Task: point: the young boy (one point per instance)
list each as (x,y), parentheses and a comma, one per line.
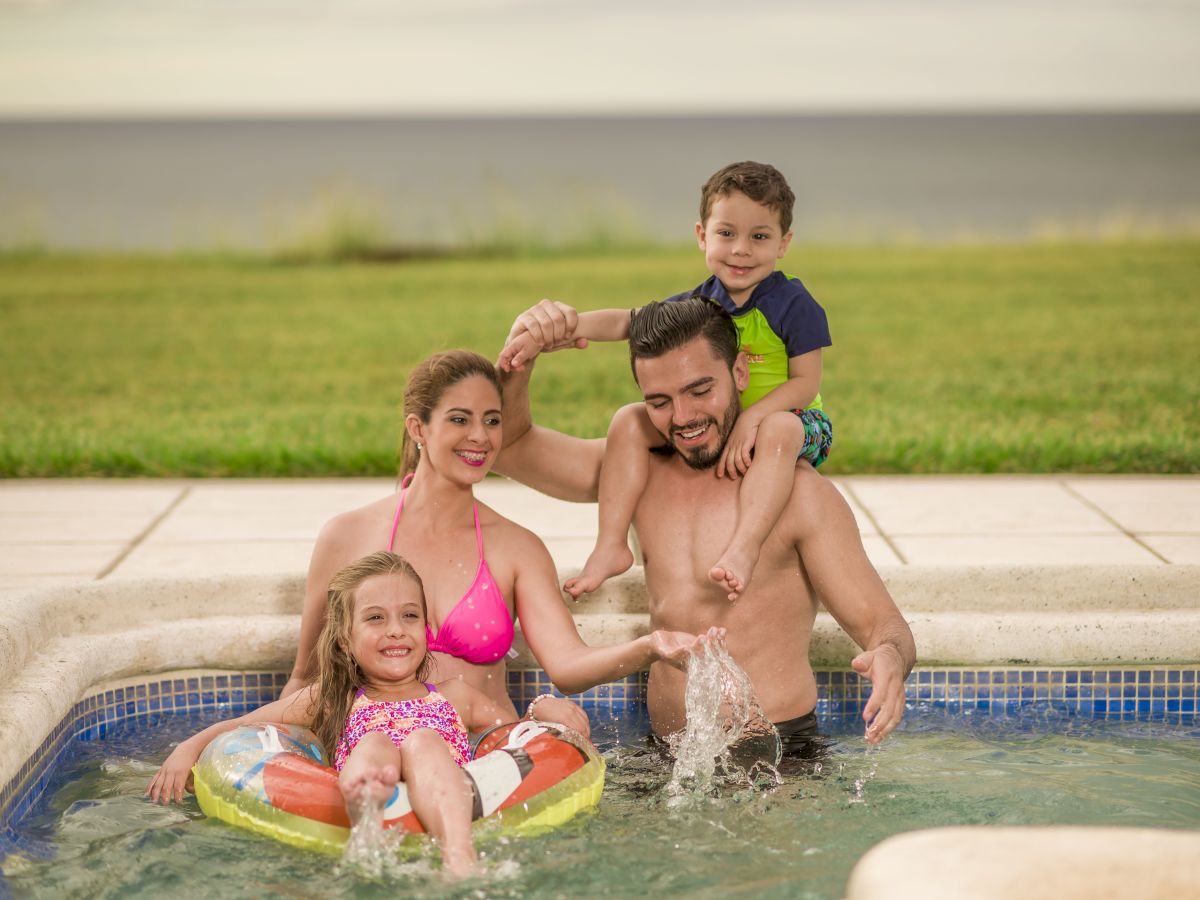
(745,226)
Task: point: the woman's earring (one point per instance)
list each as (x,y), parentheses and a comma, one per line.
(418,447)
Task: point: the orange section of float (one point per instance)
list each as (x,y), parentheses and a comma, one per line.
(553,760)
(297,785)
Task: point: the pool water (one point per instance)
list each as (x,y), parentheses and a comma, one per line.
(94,834)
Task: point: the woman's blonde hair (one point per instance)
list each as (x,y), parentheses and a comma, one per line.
(428,380)
(338,675)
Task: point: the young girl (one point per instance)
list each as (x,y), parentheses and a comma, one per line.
(373,710)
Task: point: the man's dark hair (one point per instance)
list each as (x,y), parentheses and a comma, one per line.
(662,326)
(761,182)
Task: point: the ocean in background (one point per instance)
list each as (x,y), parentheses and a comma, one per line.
(209,185)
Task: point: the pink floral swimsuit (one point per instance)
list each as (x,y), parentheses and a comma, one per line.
(400,718)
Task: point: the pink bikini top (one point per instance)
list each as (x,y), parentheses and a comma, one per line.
(480,628)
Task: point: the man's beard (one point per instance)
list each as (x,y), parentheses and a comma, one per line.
(701,458)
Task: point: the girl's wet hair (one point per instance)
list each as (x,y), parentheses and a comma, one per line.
(429,379)
(338,674)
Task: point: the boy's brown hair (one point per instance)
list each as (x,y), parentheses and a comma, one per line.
(761,182)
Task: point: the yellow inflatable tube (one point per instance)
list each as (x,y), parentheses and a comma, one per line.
(273,779)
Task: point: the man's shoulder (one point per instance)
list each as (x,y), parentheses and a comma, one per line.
(811,499)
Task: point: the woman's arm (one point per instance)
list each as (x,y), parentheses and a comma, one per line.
(175,774)
(480,712)
(550,630)
(548,461)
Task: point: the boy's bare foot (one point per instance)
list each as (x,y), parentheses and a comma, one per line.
(732,572)
(606,561)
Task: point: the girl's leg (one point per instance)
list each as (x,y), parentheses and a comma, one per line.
(442,797)
(764,493)
(623,478)
(374,764)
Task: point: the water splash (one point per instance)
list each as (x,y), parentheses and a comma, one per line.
(375,853)
(371,851)
(864,778)
(728,736)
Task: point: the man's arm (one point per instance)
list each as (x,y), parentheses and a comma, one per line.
(551,326)
(848,586)
(549,461)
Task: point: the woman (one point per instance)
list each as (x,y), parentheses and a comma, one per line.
(480,570)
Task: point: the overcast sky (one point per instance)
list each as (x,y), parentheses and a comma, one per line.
(462,57)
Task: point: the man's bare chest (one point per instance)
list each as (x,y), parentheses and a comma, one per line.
(686,518)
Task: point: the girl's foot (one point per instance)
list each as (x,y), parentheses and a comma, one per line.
(367,787)
(732,572)
(606,561)
(460,862)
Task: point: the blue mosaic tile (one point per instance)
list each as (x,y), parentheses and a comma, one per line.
(1141,694)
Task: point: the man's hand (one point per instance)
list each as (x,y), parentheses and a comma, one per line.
(884,668)
(735,458)
(550,326)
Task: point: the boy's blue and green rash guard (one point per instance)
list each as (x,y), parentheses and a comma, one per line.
(780,320)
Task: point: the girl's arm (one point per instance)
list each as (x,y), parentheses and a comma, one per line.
(550,631)
(175,775)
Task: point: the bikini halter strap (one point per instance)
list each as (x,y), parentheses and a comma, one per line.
(400,509)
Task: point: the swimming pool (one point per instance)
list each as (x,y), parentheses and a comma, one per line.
(998,655)
(978,746)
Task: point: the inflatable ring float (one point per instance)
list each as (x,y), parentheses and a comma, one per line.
(273,779)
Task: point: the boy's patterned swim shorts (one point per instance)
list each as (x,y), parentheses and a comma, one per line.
(818,435)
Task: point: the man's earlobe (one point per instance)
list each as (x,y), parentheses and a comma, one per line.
(741,372)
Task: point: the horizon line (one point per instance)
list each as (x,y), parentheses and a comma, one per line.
(234,116)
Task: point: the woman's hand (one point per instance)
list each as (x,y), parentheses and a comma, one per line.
(564,712)
(520,349)
(675,647)
(175,775)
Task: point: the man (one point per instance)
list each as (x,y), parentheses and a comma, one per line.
(686,361)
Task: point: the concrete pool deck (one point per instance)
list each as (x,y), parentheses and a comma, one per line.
(59,532)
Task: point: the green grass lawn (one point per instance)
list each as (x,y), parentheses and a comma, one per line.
(1026,358)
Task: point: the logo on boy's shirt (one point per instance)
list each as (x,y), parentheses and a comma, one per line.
(752,357)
